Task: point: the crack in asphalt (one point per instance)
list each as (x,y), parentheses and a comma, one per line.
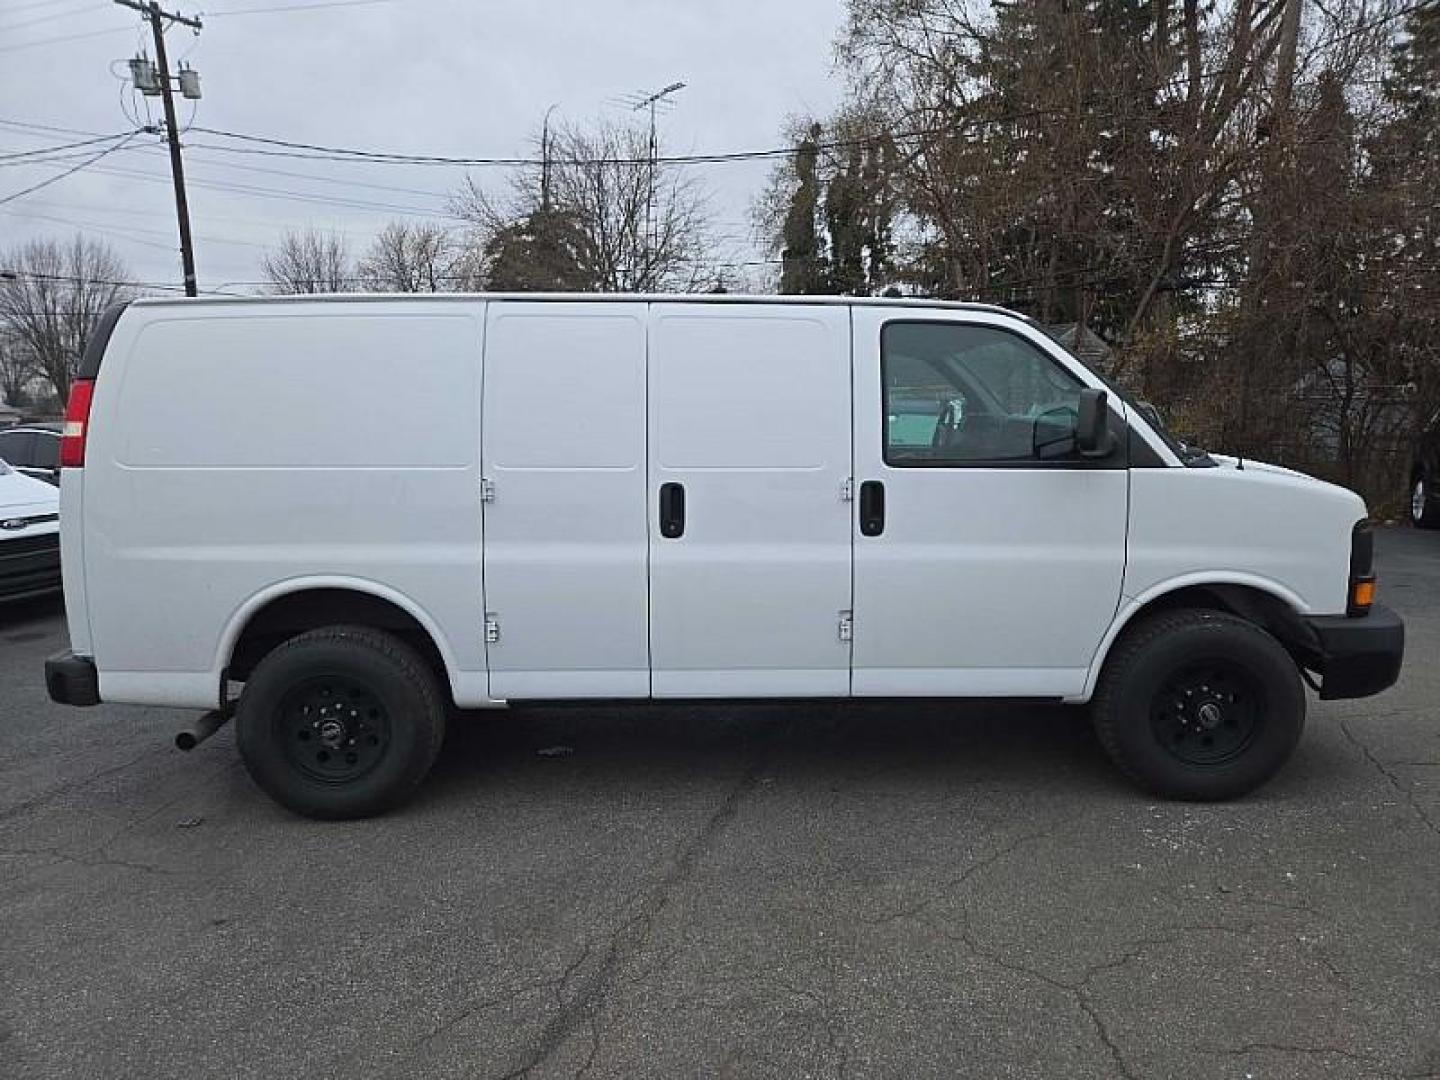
(834,1027)
(471,1010)
(55,853)
(585,1006)
(955,884)
(100,854)
(1406,790)
(79,782)
(1079,989)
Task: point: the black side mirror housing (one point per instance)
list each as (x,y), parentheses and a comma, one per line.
(1092,426)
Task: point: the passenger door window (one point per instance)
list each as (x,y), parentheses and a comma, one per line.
(957,394)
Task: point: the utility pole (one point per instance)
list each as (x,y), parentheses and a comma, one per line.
(545,158)
(649,101)
(190,87)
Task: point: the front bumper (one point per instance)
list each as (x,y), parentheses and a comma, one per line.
(72,680)
(1355,657)
(29,565)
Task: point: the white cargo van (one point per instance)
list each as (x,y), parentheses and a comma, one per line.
(370,509)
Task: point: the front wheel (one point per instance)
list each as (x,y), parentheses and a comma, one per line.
(340,722)
(1424,505)
(1199,704)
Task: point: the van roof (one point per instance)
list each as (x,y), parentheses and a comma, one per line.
(90,362)
(672,298)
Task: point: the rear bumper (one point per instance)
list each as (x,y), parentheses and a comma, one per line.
(1356,657)
(72,680)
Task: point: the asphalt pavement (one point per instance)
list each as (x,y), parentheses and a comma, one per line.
(769,891)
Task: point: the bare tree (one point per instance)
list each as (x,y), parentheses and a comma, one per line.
(626,225)
(17,368)
(51,297)
(310,261)
(411,257)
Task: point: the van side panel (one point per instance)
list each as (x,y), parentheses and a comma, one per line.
(564,447)
(750,416)
(237,448)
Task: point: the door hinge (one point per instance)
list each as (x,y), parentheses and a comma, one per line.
(847,626)
(492,628)
(487,490)
(847,490)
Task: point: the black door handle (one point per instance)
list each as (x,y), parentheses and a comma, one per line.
(672,511)
(872,508)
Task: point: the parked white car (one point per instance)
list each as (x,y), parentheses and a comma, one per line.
(29,536)
(367,509)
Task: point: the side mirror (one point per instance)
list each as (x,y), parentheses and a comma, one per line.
(1092,425)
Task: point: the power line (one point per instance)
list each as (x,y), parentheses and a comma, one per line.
(291,196)
(70,171)
(51,17)
(292,148)
(129,232)
(63,146)
(17,8)
(64,38)
(296,7)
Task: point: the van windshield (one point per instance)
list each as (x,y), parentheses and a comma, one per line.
(1194,456)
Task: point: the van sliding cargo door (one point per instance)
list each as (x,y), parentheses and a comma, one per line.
(563,458)
(750,534)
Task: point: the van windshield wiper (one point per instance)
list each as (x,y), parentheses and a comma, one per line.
(1195,457)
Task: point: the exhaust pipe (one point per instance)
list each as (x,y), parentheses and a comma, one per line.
(203,728)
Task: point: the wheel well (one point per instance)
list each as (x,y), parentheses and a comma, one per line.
(309,609)
(1265,610)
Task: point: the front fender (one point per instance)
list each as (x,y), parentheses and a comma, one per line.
(1131,607)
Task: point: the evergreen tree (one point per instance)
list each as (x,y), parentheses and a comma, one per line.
(804,269)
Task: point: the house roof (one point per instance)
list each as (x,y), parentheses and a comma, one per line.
(1081,340)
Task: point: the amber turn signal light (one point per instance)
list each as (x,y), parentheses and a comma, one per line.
(1362,595)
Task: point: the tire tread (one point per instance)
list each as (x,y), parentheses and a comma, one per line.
(414,669)
(1107,713)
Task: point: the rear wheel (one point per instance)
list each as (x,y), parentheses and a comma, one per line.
(1424,504)
(1199,704)
(341,722)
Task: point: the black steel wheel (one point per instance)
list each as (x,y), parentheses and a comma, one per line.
(1199,704)
(335,728)
(340,722)
(1207,714)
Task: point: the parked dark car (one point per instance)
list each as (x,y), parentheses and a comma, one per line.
(29,536)
(33,449)
(1425,478)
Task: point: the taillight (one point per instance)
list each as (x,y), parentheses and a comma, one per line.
(77,422)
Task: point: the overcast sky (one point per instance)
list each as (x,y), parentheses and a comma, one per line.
(435,77)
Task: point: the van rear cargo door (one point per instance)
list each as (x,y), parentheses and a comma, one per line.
(563,448)
(750,537)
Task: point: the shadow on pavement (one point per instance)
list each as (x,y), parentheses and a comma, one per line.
(1025,746)
(18,615)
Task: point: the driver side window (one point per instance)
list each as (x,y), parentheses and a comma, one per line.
(957,394)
